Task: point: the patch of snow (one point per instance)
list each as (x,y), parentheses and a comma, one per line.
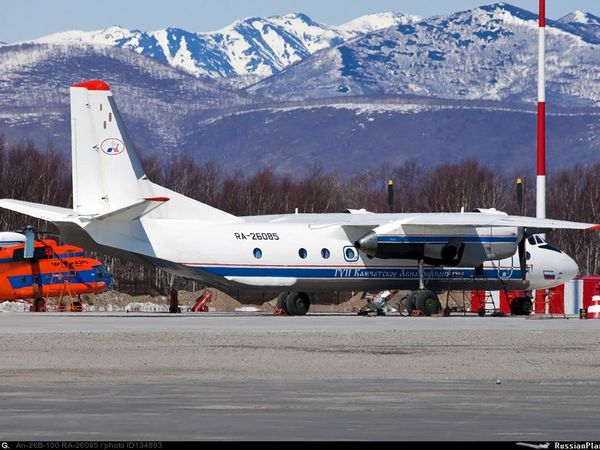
(376,22)
(183,58)
(247,309)
(16,306)
(146,307)
(107,36)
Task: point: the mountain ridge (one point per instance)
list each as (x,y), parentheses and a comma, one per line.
(250,46)
(261,47)
(451,87)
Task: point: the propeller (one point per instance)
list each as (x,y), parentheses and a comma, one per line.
(520,194)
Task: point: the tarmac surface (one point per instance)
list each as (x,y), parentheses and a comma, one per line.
(107,376)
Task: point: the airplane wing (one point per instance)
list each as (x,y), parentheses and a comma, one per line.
(437,220)
(471,219)
(494,220)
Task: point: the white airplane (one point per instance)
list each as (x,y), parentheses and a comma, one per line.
(117,210)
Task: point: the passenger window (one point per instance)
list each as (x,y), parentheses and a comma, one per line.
(350,254)
(302,253)
(257,253)
(325,253)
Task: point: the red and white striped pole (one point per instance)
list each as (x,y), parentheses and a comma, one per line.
(541,118)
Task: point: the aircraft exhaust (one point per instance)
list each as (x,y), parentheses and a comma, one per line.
(368,243)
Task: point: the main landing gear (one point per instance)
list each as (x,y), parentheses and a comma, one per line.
(422,299)
(293,303)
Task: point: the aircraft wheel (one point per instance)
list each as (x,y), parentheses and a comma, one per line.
(297,303)
(406,305)
(526,306)
(410,302)
(521,306)
(281,301)
(428,302)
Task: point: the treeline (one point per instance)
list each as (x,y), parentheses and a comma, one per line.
(44,176)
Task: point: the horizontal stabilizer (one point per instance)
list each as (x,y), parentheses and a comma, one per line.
(38,210)
(133,211)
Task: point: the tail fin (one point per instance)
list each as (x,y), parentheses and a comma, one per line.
(107,171)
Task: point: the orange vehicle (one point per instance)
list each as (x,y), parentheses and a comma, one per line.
(52,271)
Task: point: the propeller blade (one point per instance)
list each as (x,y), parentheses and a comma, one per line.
(523,259)
(520,204)
(390,196)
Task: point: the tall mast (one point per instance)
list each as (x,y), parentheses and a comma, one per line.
(541,117)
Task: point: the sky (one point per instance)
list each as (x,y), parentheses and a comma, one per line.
(29,19)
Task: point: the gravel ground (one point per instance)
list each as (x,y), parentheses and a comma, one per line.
(303,355)
(233,376)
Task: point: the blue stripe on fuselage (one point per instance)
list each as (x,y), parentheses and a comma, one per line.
(444,239)
(356,272)
(82,276)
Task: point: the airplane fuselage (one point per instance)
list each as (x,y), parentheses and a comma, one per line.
(289,252)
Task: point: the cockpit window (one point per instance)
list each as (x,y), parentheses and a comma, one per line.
(539,240)
(101,272)
(550,247)
(531,240)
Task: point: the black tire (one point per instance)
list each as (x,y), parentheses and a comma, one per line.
(406,305)
(281,301)
(401,307)
(481,312)
(521,306)
(428,302)
(526,306)
(297,303)
(447,311)
(409,303)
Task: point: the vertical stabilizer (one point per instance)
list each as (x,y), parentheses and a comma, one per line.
(106,167)
(108,177)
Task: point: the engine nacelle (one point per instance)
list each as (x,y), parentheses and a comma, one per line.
(452,248)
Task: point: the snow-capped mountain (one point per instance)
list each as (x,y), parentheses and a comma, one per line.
(488,53)
(583,23)
(250,47)
(459,86)
(34,96)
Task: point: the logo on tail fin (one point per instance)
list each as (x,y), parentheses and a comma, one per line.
(112,146)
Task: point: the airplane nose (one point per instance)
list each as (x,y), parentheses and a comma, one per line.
(568,267)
